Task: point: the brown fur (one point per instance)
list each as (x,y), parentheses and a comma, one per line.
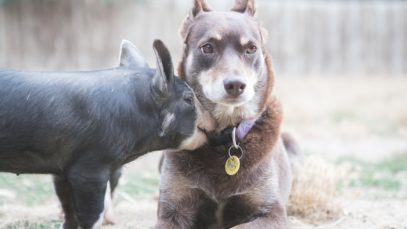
(247,196)
(196,192)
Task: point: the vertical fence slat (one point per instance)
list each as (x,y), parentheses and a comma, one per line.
(306,37)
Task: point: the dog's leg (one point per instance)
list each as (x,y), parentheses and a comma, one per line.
(254,211)
(185,209)
(113,182)
(64,193)
(89,186)
(276,219)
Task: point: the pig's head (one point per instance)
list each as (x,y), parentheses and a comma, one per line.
(180,113)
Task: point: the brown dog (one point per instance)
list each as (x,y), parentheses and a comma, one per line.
(226,64)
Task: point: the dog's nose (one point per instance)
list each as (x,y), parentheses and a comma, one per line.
(234,88)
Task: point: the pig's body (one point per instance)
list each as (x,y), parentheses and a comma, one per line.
(48,120)
(83,126)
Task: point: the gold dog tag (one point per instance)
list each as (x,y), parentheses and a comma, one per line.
(232,165)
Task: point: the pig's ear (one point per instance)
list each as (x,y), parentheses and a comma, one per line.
(164,76)
(130,56)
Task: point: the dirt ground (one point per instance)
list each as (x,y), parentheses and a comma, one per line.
(356,125)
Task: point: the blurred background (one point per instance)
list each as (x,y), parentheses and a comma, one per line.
(341,73)
(307,37)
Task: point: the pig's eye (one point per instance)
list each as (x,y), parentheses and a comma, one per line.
(188,99)
(207,48)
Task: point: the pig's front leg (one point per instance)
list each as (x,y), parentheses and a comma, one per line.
(64,192)
(88,182)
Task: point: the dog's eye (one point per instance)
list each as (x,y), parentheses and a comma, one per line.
(207,48)
(251,49)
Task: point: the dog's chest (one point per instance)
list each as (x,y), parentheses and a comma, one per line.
(206,171)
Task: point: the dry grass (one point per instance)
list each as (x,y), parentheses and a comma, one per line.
(38,217)
(314,192)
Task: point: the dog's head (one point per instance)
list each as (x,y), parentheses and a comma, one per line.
(225,62)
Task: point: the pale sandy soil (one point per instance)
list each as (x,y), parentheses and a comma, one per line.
(332,118)
(360,213)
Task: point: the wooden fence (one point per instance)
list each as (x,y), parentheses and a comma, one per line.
(305,37)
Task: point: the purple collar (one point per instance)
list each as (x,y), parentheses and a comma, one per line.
(224,138)
(244,128)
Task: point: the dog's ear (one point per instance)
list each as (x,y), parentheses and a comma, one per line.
(130,56)
(245,6)
(264,35)
(164,76)
(198,7)
(184,30)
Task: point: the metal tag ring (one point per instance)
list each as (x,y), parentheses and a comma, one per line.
(238,148)
(234,139)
